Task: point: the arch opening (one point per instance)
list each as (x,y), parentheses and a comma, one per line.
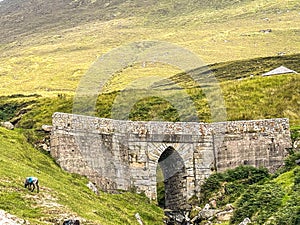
(171,180)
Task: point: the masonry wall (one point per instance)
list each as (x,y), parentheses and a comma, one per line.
(125,154)
(258,143)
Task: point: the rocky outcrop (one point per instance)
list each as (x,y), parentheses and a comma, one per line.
(6,218)
(206,215)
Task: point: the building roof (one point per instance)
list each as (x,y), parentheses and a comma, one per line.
(279,70)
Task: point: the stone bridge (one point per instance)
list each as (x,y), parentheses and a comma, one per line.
(125,155)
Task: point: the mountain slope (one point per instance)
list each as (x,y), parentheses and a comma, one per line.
(47,46)
(62,195)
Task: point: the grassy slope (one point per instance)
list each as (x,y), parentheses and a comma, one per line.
(61,194)
(53,61)
(247,98)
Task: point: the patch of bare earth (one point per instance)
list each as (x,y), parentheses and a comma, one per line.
(54,212)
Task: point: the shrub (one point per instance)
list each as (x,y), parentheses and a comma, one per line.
(258,203)
(248,174)
(233,182)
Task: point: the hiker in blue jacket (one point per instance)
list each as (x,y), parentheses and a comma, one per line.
(32,182)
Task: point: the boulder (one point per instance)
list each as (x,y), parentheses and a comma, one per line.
(71,222)
(206,207)
(224,215)
(207,213)
(93,187)
(45,147)
(138,218)
(46,128)
(229,207)
(175,217)
(213,203)
(245,221)
(7,125)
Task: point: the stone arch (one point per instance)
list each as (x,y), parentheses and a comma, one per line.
(174,173)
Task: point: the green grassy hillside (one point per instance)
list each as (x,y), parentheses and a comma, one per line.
(245,96)
(264,198)
(62,195)
(46,47)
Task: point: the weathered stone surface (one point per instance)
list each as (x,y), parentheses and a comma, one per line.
(125,154)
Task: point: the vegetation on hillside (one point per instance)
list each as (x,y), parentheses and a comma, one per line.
(62,195)
(245,97)
(264,198)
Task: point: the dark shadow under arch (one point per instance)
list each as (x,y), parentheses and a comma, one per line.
(173,170)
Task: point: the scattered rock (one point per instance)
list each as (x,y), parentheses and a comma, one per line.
(71,222)
(45,147)
(206,207)
(175,217)
(224,215)
(46,128)
(229,207)
(266,31)
(138,218)
(213,203)
(56,213)
(7,125)
(207,214)
(245,221)
(6,218)
(93,187)
(281,53)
